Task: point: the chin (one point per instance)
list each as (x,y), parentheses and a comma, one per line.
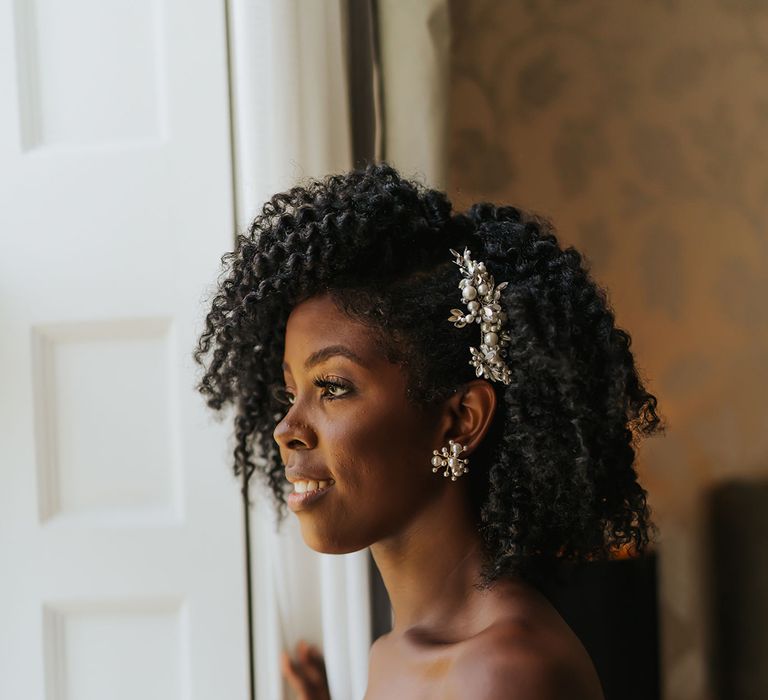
(327,543)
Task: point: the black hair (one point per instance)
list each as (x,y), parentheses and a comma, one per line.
(554,479)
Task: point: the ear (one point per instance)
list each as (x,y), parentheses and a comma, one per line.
(469,413)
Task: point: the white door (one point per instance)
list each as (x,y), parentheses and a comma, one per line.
(121,544)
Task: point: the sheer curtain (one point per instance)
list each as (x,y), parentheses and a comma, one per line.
(414,47)
(316,88)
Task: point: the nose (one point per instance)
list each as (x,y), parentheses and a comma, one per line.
(291,433)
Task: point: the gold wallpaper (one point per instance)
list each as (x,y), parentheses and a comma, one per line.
(640,128)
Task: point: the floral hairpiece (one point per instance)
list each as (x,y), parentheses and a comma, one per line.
(482,299)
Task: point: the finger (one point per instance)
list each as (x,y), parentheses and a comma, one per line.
(286,666)
(307,652)
(318,661)
(314,675)
(304,653)
(291,674)
(308,663)
(312,664)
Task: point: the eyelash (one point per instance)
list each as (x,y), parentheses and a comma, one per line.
(322,382)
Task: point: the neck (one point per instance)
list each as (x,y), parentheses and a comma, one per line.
(430,567)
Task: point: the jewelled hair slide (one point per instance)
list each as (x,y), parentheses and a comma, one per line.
(482,299)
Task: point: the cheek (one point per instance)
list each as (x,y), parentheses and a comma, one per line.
(381,461)
(383,450)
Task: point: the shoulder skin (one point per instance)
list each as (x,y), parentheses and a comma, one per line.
(503,664)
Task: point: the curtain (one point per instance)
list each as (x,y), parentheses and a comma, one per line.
(317,88)
(414,43)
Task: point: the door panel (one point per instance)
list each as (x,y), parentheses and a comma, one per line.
(121,535)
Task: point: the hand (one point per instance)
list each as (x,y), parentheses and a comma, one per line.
(306,673)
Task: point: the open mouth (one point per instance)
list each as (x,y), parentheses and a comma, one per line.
(310,486)
(306,493)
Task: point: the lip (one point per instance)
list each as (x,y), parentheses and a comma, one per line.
(300,501)
(306,474)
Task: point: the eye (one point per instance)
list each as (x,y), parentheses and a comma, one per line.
(282,395)
(335,388)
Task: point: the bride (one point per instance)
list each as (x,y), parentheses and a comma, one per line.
(450,390)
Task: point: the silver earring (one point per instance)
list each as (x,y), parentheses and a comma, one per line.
(449,458)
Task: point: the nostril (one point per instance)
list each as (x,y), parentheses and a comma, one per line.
(291,434)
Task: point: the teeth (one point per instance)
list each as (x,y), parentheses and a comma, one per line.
(306,486)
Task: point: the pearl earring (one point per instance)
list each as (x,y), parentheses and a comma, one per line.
(449,458)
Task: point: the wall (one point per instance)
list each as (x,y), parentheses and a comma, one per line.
(641,130)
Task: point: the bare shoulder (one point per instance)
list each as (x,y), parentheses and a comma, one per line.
(507,661)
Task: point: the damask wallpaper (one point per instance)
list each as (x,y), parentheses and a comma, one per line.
(640,128)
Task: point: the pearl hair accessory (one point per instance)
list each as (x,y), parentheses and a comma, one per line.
(482,299)
(449,458)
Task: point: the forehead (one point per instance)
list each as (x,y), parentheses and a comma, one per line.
(317,322)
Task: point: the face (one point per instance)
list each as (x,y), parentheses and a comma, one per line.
(349,421)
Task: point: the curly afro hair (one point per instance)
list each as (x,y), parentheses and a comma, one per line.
(554,478)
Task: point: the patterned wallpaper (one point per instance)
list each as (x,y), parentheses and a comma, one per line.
(641,130)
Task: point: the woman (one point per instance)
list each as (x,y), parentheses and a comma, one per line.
(449,390)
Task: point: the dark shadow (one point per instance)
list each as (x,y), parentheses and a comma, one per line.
(612,606)
(737,547)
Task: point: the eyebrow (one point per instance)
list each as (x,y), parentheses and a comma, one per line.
(331,351)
